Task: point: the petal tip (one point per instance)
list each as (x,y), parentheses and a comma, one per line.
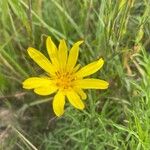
(48,38)
(80,42)
(106,85)
(24,84)
(59,114)
(81,106)
(101,60)
(29,49)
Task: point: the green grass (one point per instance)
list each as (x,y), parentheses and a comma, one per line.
(114,119)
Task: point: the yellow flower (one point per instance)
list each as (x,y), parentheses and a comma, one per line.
(64,77)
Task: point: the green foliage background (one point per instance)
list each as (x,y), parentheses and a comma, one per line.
(114,119)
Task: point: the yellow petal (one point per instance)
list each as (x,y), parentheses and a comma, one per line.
(41,60)
(35,82)
(45,90)
(52,51)
(91,84)
(73,55)
(76,68)
(81,93)
(74,99)
(58,103)
(62,53)
(90,68)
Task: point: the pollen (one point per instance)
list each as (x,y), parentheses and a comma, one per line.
(64,80)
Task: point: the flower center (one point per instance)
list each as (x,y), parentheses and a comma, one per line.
(64,79)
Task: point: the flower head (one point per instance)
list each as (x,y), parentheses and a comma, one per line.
(64,77)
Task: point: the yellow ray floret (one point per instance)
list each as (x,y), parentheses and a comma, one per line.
(58,103)
(64,76)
